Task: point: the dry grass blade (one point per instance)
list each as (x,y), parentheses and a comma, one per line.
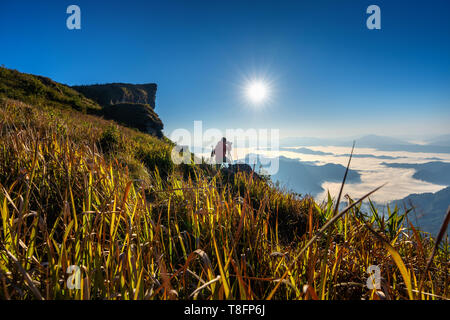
(336,208)
(397,259)
(27,277)
(431,295)
(439,238)
(336,217)
(207,284)
(436,246)
(307,289)
(319,233)
(205,259)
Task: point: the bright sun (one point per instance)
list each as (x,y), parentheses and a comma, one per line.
(257,91)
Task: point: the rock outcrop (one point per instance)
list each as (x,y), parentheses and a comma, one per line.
(232,169)
(115,93)
(129,104)
(135,115)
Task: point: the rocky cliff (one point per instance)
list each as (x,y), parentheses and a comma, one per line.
(135,115)
(115,93)
(130,104)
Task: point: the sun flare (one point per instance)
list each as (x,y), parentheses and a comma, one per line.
(257,91)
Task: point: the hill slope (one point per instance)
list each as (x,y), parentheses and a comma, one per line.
(79,190)
(42,91)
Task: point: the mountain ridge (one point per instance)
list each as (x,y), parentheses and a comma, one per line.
(382,143)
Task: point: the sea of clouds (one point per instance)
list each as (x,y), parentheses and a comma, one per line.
(369,164)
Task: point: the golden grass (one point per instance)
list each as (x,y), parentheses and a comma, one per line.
(64,202)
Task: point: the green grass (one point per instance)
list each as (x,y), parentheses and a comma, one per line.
(79,190)
(43,92)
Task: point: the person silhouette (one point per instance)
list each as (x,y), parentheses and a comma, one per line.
(222,149)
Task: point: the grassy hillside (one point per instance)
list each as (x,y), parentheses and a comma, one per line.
(138,111)
(79,190)
(42,92)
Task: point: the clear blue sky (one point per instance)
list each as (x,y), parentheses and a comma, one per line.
(329,74)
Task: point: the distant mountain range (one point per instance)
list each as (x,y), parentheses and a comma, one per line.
(321,153)
(443,140)
(440,144)
(429,209)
